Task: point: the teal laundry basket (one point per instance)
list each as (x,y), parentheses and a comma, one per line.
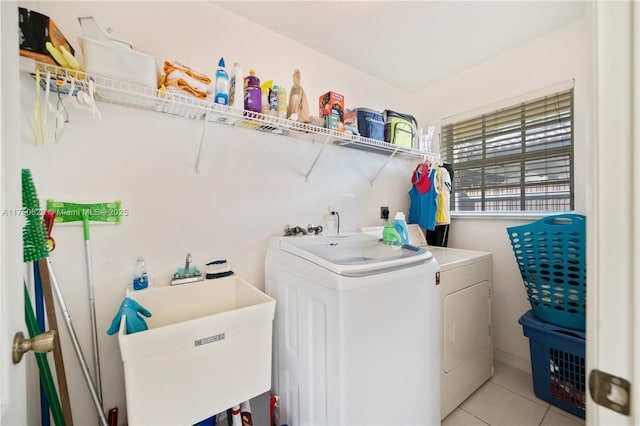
(551,256)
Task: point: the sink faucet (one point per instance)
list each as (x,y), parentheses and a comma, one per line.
(187,264)
(187,276)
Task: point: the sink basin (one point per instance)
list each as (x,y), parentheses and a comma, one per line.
(208,347)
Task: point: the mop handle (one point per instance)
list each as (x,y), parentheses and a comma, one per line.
(92,305)
(85,226)
(94,329)
(76,345)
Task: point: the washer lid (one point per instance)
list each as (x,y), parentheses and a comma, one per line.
(354,254)
(449,258)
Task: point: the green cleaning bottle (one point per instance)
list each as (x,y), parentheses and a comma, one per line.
(390,235)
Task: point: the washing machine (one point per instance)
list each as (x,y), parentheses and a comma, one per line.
(356,334)
(466,280)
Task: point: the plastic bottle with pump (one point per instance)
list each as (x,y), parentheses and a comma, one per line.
(222,85)
(252,92)
(400,224)
(141,280)
(282,102)
(236,87)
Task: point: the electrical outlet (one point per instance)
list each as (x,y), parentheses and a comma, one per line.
(332,208)
(384,212)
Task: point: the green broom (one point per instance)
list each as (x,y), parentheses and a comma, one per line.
(86,213)
(43,363)
(34,243)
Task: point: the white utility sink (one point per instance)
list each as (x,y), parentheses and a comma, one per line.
(208,347)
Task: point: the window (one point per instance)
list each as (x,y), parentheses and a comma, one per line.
(518,158)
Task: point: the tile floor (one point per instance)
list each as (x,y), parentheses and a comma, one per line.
(508,400)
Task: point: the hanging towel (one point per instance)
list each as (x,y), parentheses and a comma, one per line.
(443,185)
(440,236)
(423,205)
(420,178)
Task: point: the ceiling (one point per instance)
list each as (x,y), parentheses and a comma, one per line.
(410,44)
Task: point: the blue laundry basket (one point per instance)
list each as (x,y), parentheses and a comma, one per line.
(557,364)
(550,253)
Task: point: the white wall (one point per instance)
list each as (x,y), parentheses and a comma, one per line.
(556,57)
(250,185)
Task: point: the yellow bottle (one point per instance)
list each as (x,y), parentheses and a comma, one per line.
(282,102)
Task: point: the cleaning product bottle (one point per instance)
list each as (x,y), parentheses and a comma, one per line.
(266,90)
(252,92)
(333,223)
(236,88)
(282,102)
(222,85)
(400,225)
(273,100)
(390,235)
(141,279)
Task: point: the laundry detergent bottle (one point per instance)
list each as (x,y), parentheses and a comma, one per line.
(390,235)
(222,85)
(400,224)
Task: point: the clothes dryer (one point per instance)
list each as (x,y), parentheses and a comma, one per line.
(466,280)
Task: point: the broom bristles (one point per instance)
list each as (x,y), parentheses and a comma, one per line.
(34,233)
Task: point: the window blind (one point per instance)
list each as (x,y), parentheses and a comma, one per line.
(518,158)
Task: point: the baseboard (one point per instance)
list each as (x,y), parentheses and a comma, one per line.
(512,360)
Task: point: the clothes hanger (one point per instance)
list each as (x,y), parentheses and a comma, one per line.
(61,116)
(81,100)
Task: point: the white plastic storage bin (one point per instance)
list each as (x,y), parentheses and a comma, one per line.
(208,347)
(119,62)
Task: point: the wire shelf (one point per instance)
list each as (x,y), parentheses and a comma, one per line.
(177,104)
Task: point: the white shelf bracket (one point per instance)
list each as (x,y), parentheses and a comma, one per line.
(324,145)
(196,169)
(384,165)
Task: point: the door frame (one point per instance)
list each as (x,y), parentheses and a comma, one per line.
(12,377)
(613,229)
